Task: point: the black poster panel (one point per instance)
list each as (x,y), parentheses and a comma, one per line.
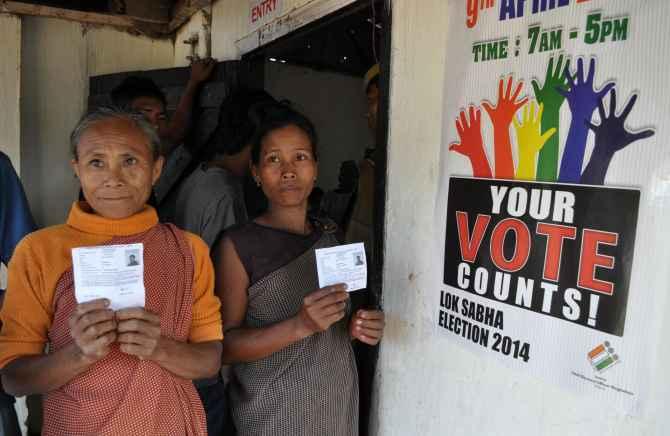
(559,250)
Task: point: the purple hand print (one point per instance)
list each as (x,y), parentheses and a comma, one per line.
(583,99)
(611,136)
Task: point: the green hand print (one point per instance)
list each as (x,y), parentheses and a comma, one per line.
(548,95)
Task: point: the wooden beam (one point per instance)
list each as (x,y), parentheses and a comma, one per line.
(183,10)
(136,21)
(152,11)
(18,8)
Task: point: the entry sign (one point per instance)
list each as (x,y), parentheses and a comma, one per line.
(559,250)
(262,12)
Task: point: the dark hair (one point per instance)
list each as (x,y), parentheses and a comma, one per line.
(134,87)
(278,116)
(239,118)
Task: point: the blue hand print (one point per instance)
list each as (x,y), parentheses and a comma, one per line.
(583,99)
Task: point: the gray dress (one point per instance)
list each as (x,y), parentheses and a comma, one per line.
(311,386)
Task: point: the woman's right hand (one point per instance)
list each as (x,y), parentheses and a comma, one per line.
(321,309)
(93,329)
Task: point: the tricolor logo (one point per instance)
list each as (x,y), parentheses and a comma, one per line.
(602,357)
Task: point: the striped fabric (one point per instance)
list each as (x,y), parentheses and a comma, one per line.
(309,388)
(121,395)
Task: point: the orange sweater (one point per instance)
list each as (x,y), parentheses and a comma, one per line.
(42,257)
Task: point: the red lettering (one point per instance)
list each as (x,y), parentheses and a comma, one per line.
(552,257)
(263,8)
(254,14)
(470,245)
(472,8)
(590,259)
(521,245)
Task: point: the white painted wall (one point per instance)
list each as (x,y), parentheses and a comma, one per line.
(230,22)
(181,50)
(426,384)
(53,90)
(336,105)
(110,51)
(58,58)
(10,81)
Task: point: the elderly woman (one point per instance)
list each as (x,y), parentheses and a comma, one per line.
(294,371)
(105,372)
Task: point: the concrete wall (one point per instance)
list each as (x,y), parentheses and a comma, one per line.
(58,57)
(426,384)
(229,23)
(10,81)
(336,105)
(420,379)
(182,50)
(53,90)
(110,51)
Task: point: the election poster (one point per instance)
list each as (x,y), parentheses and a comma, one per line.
(554,190)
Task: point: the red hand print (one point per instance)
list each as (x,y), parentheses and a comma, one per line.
(472,145)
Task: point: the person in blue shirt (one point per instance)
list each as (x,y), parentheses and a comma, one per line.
(15,218)
(15,222)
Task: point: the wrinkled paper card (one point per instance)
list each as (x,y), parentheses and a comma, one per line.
(342,264)
(115,272)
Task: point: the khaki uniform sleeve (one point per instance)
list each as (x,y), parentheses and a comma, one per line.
(206,324)
(25,315)
(360,224)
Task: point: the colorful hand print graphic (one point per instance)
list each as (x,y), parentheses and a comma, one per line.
(537,129)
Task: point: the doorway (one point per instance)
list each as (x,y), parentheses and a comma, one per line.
(320,70)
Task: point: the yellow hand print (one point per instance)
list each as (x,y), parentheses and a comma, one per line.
(529,139)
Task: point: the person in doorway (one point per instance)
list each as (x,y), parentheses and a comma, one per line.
(211,199)
(359,228)
(289,342)
(16,221)
(112,372)
(141,94)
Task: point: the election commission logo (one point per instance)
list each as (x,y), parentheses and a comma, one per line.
(602,357)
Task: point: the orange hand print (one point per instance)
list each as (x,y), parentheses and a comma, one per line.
(501,116)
